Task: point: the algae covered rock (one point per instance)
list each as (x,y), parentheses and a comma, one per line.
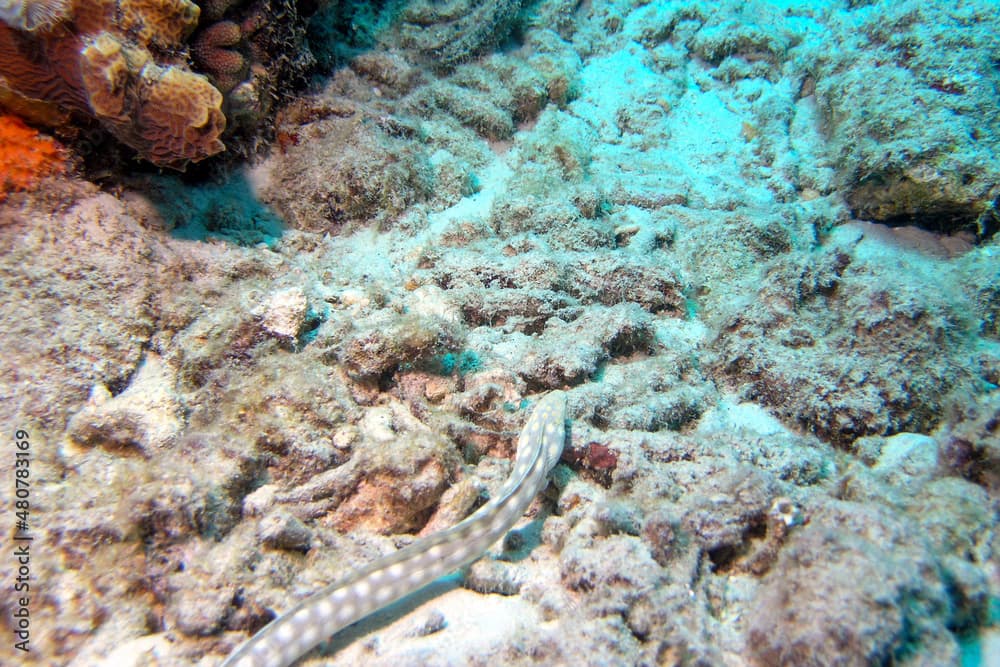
(446,33)
(910,108)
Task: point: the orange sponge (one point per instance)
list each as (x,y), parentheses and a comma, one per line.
(25,156)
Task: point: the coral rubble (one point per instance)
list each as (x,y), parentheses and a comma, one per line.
(750,241)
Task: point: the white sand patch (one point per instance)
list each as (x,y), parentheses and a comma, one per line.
(731,417)
(475,626)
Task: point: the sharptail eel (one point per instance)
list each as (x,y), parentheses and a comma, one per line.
(293,634)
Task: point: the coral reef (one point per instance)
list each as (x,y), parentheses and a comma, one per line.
(782,418)
(101,65)
(124,64)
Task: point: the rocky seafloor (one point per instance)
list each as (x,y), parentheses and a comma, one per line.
(753,241)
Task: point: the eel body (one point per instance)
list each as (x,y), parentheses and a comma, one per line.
(315,619)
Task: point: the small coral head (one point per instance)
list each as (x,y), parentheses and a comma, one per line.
(33,14)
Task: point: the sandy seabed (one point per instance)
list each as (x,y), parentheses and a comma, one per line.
(752,240)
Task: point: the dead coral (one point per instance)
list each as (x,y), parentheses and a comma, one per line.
(393,142)
(384,344)
(284,314)
(145,417)
(445,34)
(972,449)
(909,334)
(394,74)
(367,172)
(733,507)
(610,280)
(93,331)
(663,392)
(476,109)
(525,310)
(568,353)
(853,586)
(934,169)
(396,476)
(737,39)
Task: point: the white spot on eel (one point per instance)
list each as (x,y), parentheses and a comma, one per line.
(293,634)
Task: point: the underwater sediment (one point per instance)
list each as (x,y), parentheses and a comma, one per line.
(753,243)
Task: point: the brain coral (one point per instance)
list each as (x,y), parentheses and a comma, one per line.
(99,62)
(116,61)
(174,114)
(161,23)
(173,79)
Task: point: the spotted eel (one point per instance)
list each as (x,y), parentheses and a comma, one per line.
(293,634)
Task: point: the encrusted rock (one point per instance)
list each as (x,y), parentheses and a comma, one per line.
(146,416)
(448,33)
(281,530)
(284,313)
(200,612)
